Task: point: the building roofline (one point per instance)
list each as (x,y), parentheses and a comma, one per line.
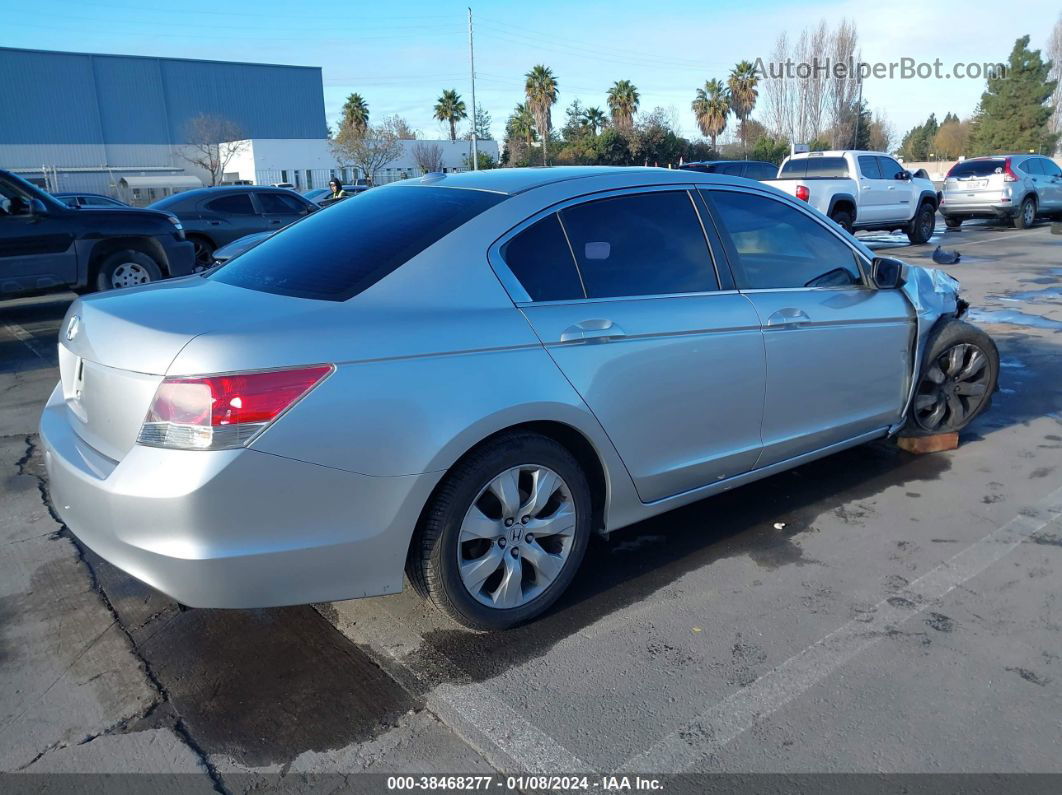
(155,57)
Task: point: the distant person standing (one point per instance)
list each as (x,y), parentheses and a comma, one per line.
(337,189)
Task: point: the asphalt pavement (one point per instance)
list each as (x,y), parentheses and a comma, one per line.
(874,611)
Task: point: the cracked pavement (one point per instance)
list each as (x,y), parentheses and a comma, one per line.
(680,638)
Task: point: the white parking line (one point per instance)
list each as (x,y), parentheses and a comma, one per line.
(23,336)
(510,742)
(726,720)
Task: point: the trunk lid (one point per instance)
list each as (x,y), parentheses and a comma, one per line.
(116,347)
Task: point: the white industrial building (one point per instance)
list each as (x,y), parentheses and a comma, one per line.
(309,163)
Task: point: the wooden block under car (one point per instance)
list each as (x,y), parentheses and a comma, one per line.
(937,443)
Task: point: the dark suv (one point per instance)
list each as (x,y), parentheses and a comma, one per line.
(750,169)
(45,245)
(213,217)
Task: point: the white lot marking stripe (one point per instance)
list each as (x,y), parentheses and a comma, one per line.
(737,713)
(509,741)
(23,336)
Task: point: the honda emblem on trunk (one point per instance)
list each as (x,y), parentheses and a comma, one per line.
(73,327)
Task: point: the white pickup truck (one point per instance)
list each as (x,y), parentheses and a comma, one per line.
(862,190)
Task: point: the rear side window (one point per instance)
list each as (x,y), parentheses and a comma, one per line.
(976,168)
(1031,165)
(868,165)
(778,246)
(730,169)
(235,204)
(641,244)
(805,167)
(540,259)
(335,255)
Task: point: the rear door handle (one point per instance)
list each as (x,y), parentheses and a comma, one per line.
(790,317)
(596,329)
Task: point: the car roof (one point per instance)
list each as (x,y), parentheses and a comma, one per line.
(512,181)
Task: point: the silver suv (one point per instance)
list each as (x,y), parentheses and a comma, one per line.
(1018,187)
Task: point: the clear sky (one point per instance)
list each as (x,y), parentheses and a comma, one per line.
(400,56)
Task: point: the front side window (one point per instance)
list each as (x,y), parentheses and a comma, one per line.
(233,204)
(1050,168)
(280,204)
(335,255)
(778,246)
(761,171)
(540,259)
(889,167)
(640,244)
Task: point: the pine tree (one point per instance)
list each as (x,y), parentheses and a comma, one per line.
(1014,111)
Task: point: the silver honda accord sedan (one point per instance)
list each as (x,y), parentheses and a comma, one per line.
(462,377)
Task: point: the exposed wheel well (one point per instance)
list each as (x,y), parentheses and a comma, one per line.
(572,440)
(146,245)
(845,205)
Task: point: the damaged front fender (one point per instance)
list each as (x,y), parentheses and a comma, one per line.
(934,295)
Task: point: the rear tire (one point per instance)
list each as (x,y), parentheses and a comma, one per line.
(844,219)
(952,222)
(204,252)
(921,227)
(492,566)
(959,374)
(1026,216)
(127,268)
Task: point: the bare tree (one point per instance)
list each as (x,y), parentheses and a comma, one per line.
(428,157)
(813,51)
(882,135)
(1054,52)
(211,143)
(779,90)
(370,149)
(843,88)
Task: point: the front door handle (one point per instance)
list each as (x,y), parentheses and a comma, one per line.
(790,317)
(596,329)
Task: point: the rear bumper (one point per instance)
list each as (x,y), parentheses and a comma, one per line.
(181,257)
(977,209)
(233,528)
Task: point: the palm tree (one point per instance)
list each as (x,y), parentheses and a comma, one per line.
(742,84)
(623,103)
(595,119)
(451,108)
(521,124)
(541,92)
(356,112)
(711,107)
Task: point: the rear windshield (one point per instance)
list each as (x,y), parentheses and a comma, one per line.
(976,168)
(337,253)
(810,167)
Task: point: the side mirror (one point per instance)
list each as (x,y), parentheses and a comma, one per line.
(36,207)
(904,175)
(887,273)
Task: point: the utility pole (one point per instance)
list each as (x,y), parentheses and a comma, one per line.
(859,113)
(472,70)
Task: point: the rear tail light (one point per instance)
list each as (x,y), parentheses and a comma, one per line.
(1008,172)
(223,411)
(803,193)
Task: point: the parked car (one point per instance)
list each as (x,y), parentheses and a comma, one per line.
(213,217)
(862,191)
(76,200)
(1014,187)
(236,247)
(46,245)
(750,169)
(467,376)
(323,196)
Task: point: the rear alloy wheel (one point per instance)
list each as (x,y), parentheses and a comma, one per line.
(843,219)
(127,269)
(921,228)
(1026,216)
(505,533)
(957,380)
